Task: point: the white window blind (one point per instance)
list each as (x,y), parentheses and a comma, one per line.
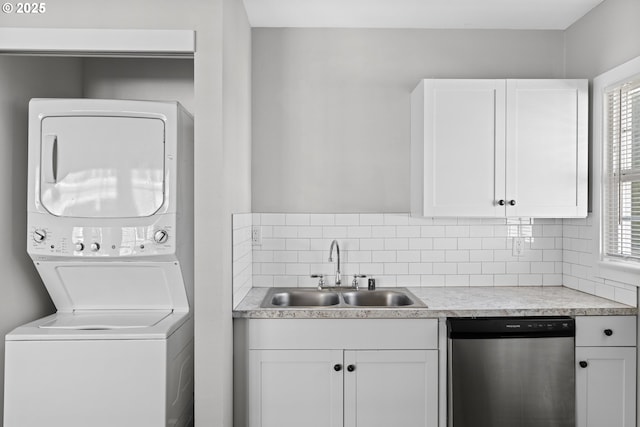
(622,173)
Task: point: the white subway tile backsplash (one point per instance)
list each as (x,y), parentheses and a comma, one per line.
(396,268)
(468,243)
(396,219)
(456,231)
(384,231)
(285,256)
(518,267)
(359,231)
(421,268)
(494,268)
(456,256)
(442,243)
(322,219)
(298,244)
(384,256)
(297,219)
(445,268)
(400,250)
(421,243)
(432,280)
(530,280)
(371,219)
(272,219)
(432,256)
(432,231)
(358,256)
(372,244)
(334,232)
(505,280)
(347,219)
(396,244)
(456,280)
(480,256)
(283,232)
(469,268)
(408,256)
(309,232)
(408,231)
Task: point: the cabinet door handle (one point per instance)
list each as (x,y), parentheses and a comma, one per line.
(501,202)
(583,364)
(512,202)
(351,368)
(337,367)
(608,332)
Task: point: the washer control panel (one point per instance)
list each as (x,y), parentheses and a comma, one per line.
(157,239)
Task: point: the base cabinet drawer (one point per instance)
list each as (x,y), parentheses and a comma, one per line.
(610,331)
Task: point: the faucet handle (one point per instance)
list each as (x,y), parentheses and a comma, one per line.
(354,283)
(320,278)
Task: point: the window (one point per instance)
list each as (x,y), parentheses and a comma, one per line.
(621,186)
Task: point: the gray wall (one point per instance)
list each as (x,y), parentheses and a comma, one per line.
(23,297)
(331,107)
(135,78)
(607,36)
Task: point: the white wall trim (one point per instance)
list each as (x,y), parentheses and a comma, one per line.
(607,269)
(97,42)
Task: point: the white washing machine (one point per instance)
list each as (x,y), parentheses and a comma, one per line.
(110,231)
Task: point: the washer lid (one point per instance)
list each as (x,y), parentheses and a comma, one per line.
(106,320)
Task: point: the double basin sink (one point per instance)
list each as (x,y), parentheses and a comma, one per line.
(339,298)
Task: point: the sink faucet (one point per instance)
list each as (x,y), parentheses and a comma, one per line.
(338,276)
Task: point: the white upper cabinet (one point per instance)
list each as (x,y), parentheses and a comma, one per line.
(495,148)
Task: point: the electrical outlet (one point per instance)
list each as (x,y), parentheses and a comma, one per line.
(518,246)
(256,236)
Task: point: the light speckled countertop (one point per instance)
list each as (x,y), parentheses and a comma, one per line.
(455,302)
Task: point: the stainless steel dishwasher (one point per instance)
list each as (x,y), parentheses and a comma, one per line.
(511,372)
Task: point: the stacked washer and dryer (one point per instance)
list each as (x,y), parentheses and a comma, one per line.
(110,231)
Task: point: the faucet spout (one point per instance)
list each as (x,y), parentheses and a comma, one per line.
(338,275)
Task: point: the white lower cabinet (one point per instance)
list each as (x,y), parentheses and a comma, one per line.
(391,388)
(606,371)
(321,388)
(351,373)
(292,388)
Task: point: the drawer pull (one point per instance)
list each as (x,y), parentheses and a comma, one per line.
(608,332)
(583,364)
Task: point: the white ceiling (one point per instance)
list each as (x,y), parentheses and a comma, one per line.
(476,14)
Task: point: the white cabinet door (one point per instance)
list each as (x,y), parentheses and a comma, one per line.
(546,161)
(496,148)
(391,388)
(458,148)
(294,388)
(606,387)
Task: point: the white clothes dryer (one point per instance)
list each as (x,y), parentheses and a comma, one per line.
(110,231)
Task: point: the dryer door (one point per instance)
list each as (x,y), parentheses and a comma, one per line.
(102,166)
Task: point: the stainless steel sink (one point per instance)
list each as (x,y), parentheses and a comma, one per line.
(339,298)
(301,298)
(378,298)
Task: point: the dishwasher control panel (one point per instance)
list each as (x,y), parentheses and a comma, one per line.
(495,327)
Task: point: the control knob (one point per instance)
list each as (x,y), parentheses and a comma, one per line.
(39,235)
(79,246)
(161,236)
(95,246)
